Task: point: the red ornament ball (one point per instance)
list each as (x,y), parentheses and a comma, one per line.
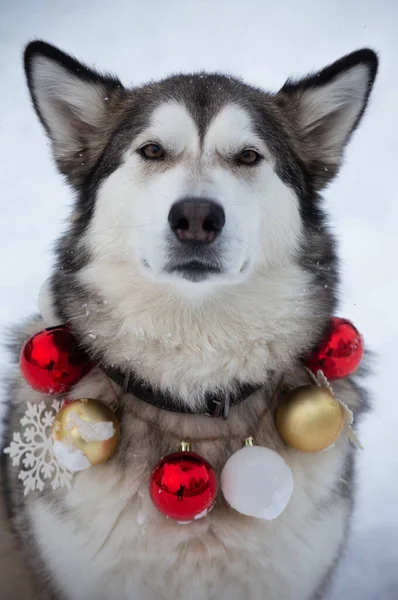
(52,362)
(339,353)
(183,486)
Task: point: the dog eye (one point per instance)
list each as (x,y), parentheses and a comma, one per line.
(152,151)
(249,157)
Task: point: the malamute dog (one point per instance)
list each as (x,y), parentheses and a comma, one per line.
(197,260)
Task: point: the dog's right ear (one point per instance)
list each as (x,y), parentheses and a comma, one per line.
(73,103)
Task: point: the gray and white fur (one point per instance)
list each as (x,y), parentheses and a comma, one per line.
(198,256)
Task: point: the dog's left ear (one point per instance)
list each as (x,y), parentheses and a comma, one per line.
(325,108)
(76,105)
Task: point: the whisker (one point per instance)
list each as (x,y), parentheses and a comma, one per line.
(164,196)
(243,242)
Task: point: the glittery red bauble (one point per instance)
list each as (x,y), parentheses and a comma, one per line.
(52,362)
(183,486)
(339,353)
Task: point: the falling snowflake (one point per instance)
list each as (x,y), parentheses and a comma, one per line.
(32,449)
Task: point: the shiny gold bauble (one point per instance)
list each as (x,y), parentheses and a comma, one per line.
(309,419)
(88,426)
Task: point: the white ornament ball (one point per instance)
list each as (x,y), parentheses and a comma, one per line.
(45,305)
(257,482)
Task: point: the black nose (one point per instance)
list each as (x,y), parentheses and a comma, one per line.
(196,220)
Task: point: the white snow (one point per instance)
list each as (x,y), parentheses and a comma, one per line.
(96,432)
(202,514)
(90,432)
(264,42)
(72,458)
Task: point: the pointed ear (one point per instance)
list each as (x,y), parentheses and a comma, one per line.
(73,103)
(325,108)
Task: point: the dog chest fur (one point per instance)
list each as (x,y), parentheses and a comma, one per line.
(104,538)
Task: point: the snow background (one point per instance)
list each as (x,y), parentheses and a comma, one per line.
(263,42)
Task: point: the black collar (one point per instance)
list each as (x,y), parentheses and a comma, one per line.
(217,405)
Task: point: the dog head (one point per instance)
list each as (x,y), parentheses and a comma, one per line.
(198,183)
(197,179)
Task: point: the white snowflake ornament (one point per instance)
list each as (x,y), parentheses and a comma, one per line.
(32,449)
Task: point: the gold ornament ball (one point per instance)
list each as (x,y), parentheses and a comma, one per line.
(309,419)
(89,426)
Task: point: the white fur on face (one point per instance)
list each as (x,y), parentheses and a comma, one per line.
(130,223)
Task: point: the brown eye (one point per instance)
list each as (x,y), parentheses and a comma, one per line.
(152,151)
(249,157)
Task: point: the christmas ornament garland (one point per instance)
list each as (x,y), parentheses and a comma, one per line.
(310,418)
(255,481)
(183,485)
(52,362)
(85,433)
(339,353)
